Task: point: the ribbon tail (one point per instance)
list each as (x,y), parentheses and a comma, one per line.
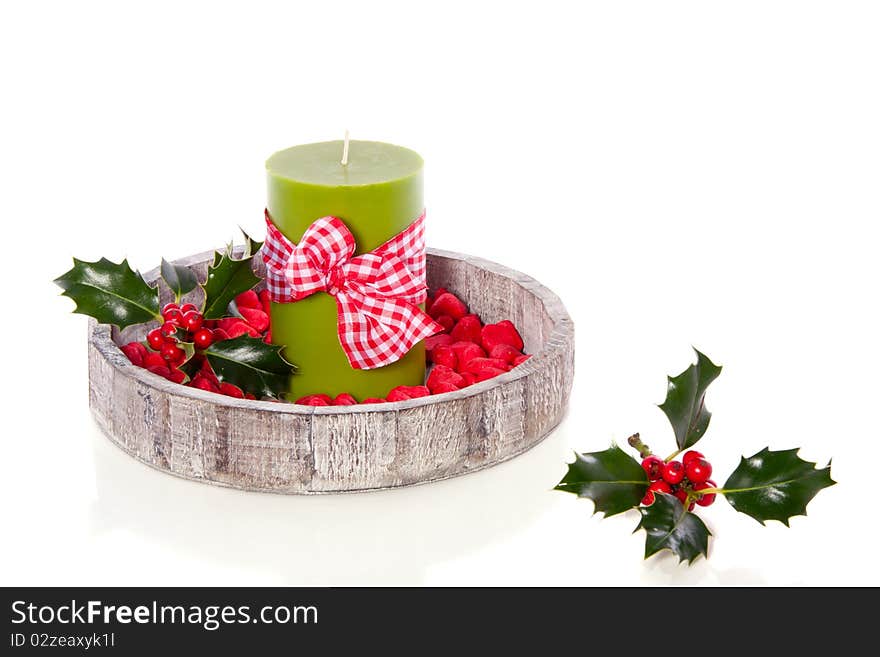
(377,332)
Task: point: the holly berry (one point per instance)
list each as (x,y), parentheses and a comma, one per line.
(172,353)
(698,470)
(187,307)
(168,329)
(192,320)
(155,339)
(681,494)
(647,500)
(168,307)
(708,498)
(689,456)
(203,338)
(658,486)
(653,467)
(174,316)
(673,472)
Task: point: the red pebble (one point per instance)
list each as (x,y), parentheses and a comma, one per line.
(465,352)
(442,374)
(248,299)
(468,329)
(441,339)
(231,391)
(255,317)
(488,373)
(477,365)
(440,388)
(415,391)
(503,332)
(519,360)
(396,394)
(202,383)
(176,376)
(344,399)
(373,400)
(265,300)
(505,352)
(444,355)
(218,335)
(249,395)
(448,304)
(161,370)
(135,352)
(234,327)
(154,359)
(446,322)
(469,379)
(315,400)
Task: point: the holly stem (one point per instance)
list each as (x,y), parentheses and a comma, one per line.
(673,455)
(636,443)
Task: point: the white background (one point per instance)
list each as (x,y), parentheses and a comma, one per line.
(679,173)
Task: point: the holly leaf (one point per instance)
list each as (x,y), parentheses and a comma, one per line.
(685,401)
(111,293)
(228,277)
(612,479)
(251,364)
(179,278)
(670,527)
(775,485)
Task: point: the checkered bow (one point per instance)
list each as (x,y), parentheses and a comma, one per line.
(376,293)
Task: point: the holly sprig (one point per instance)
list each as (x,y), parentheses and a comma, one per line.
(770,485)
(114,293)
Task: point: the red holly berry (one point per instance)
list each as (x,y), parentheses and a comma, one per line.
(648,499)
(690,455)
(660,486)
(708,498)
(174,316)
(673,472)
(203,338)
(681,494)
(168,329)
(192,321)
(168,307)
(152,359)
(698,470)
(653,467)
(172,353)
(691,506)
(155,339)
(188,307)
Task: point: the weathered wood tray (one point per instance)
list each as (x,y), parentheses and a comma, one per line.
(288,448)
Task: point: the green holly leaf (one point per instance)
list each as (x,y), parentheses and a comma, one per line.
(685,401)
(251,364)
(228,277)
(670,527)
(612,479)
(179,278)
(111,293)
(775,485)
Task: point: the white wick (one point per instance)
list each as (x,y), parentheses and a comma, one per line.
(345,150)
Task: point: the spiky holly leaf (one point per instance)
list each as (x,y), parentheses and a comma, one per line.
(111,293)
(251,364)
(612,479)
(179,278)
(228,277)
(670,527)
(685,401)
(775,485)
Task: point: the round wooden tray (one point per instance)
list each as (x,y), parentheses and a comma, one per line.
(289,448)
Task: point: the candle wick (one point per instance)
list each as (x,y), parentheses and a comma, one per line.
(345,150)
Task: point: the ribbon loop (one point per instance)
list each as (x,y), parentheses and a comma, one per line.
(378,319)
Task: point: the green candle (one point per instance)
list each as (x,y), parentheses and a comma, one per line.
(377,193)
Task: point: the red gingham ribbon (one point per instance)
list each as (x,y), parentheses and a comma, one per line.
(376,293)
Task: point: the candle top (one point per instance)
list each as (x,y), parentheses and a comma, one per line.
(369,162)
